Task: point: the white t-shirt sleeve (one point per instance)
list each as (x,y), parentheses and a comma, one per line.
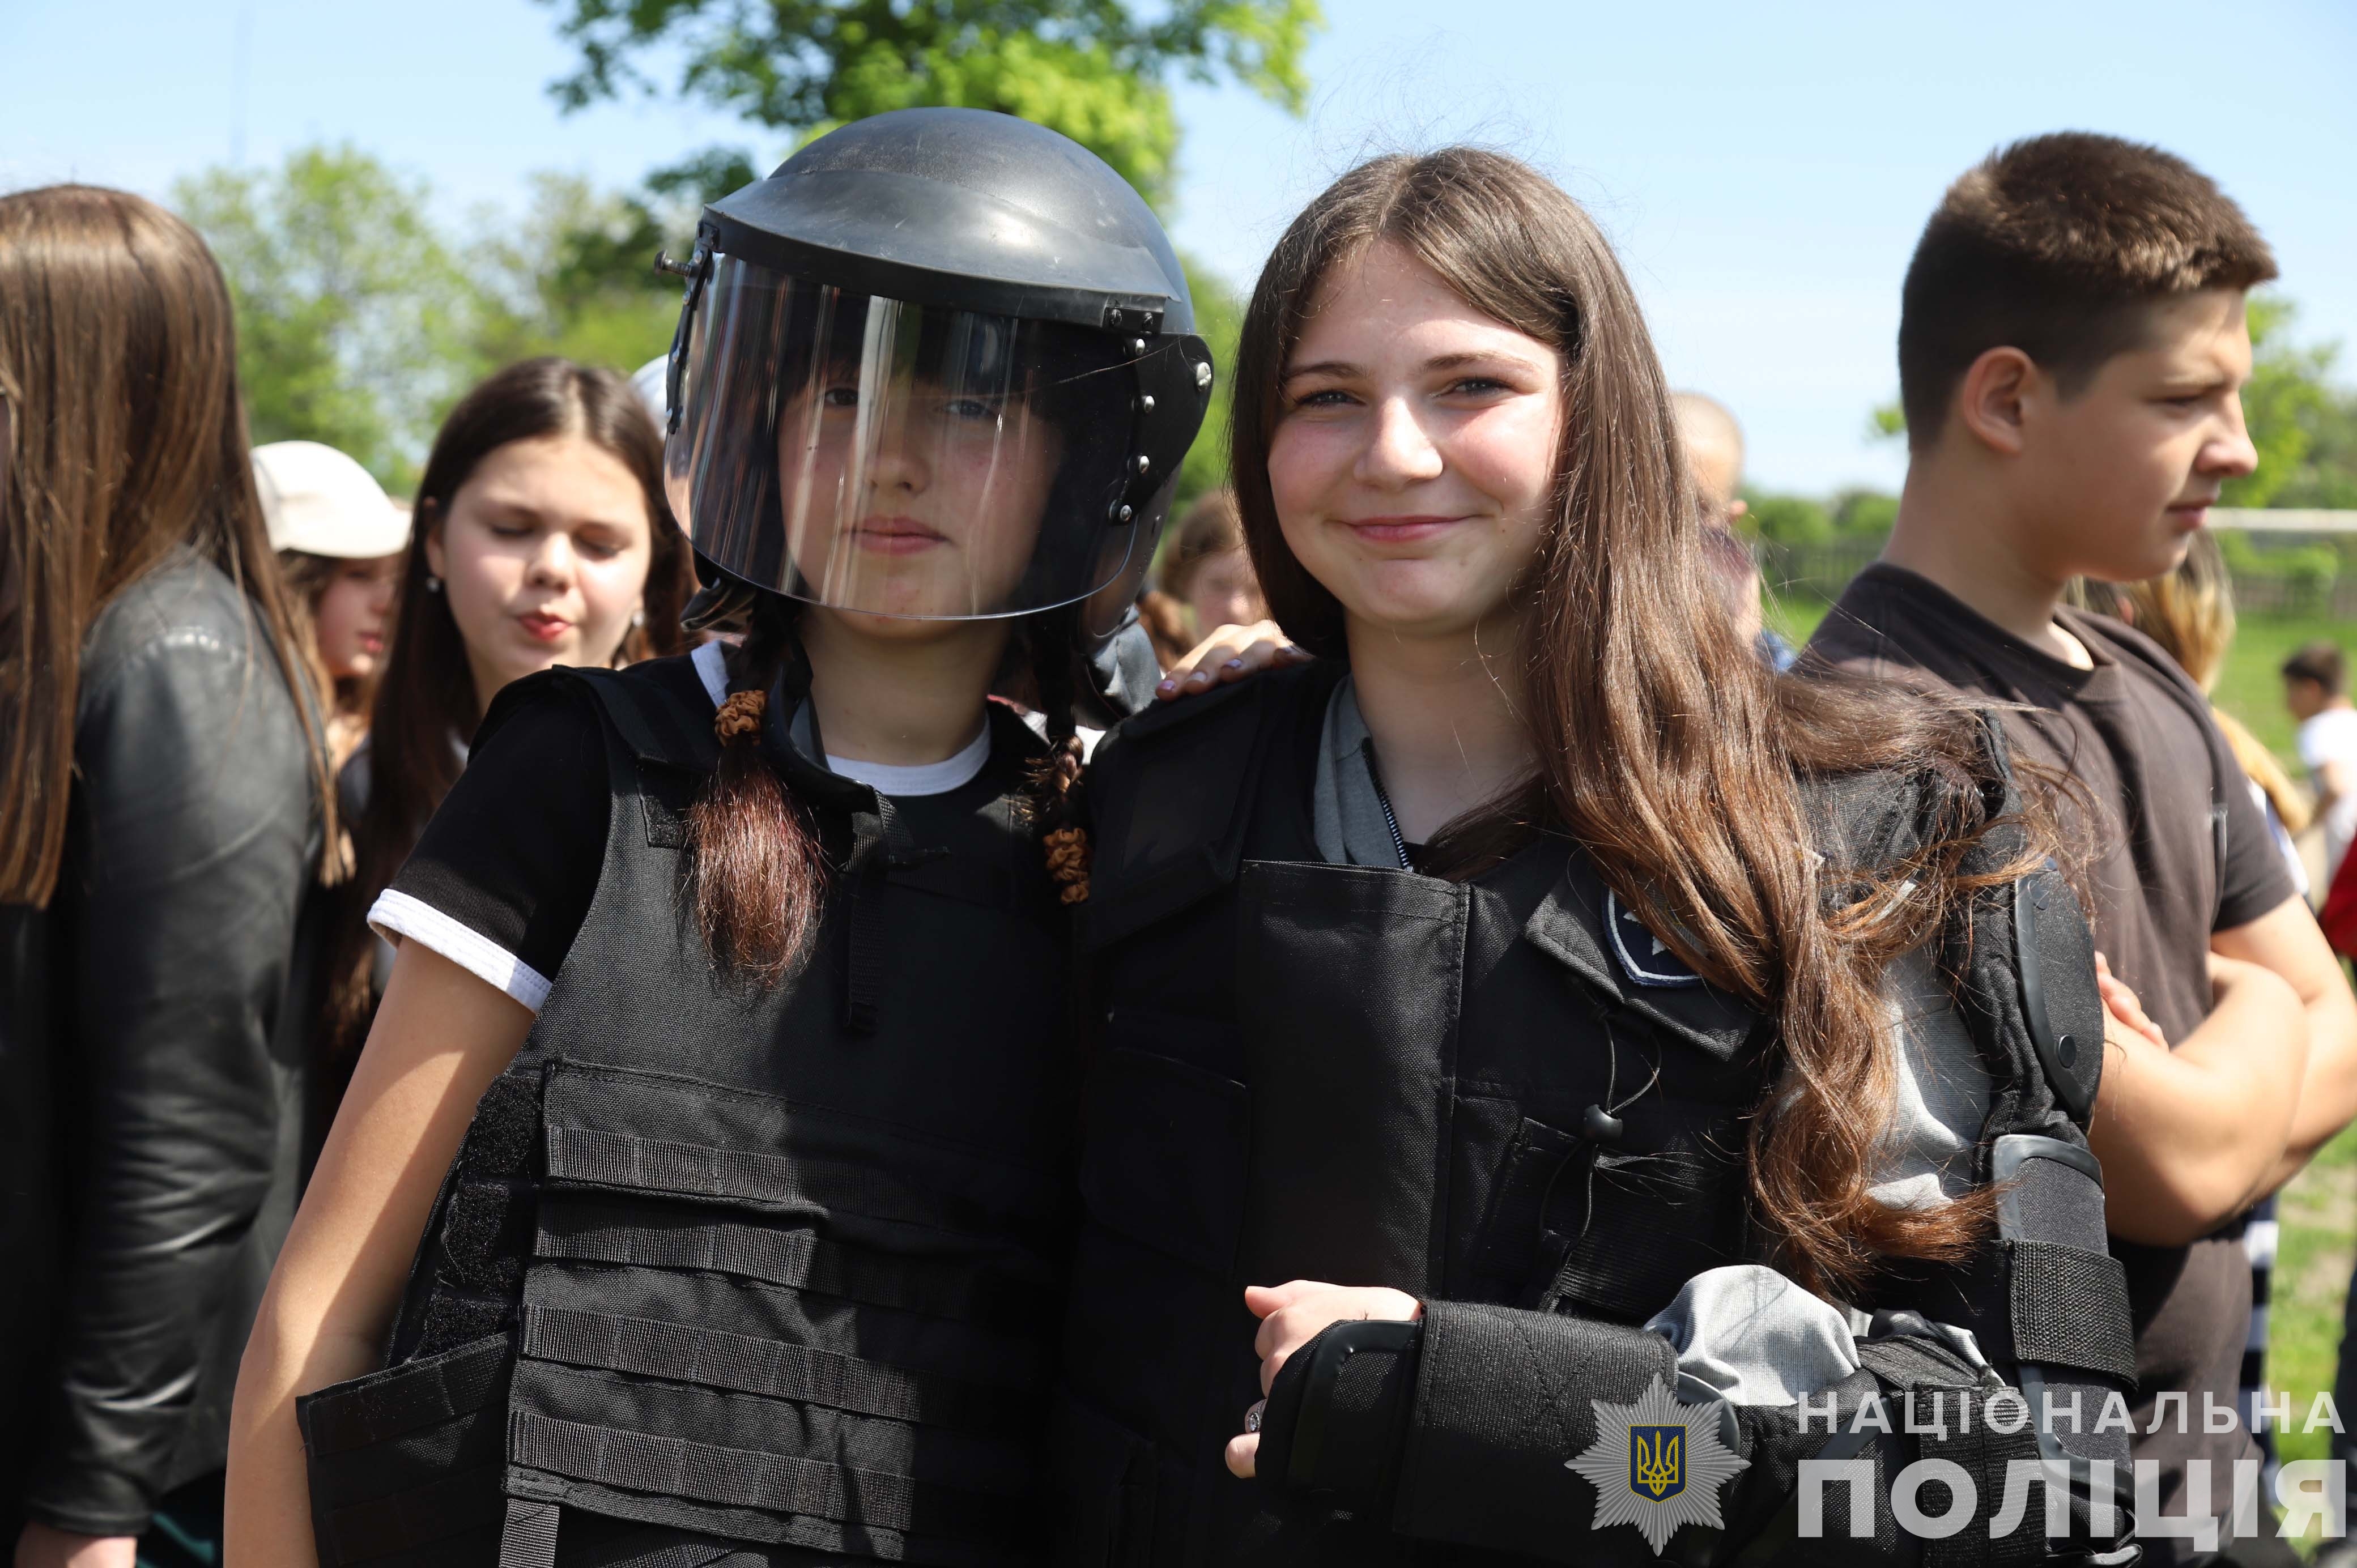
(398,917)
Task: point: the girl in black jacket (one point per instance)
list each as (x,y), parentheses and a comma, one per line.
(162,765)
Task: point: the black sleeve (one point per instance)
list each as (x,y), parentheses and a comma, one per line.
(187,864)
(2252,880)
(1507,1430)
(514,853)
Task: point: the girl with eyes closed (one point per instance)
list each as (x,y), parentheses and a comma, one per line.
(1535,1005)
(542,537)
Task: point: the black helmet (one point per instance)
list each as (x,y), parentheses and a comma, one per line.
(940,365)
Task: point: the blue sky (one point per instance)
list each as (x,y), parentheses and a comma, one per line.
(1764,169)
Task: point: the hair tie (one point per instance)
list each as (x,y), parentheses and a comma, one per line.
(1068,862)
(740,715)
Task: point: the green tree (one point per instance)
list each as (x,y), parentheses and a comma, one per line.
(1791,520)
(357,318)
(2304,427)
(1218,317)
(577,278)
(1097,70)
(1864,514)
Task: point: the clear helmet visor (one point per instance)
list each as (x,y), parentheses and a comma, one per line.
(899,459)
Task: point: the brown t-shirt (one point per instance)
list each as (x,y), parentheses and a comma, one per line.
(2173,848)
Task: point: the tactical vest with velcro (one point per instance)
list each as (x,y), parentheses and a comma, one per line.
(1503,1096)
(728,1272)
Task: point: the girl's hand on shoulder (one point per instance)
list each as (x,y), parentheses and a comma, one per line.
(1291,1315)
(1229,653)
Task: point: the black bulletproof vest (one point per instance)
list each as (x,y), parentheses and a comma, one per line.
(1497,1091)
(722,1275)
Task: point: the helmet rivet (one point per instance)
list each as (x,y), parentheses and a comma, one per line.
(1137,345)
(1202,377)
(1145,403)
(1125,514)
(1144,462)
(1112,317)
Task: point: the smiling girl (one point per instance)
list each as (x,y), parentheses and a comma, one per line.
(1535,1005)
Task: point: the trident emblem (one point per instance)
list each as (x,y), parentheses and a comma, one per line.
(1657,1460)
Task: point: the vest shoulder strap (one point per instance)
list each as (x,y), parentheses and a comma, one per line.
(1170,795)
(659,708)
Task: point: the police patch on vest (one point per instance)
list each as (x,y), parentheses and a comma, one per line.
(1657,1464)
(1659,966)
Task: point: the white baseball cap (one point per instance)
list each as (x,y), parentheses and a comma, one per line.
(319,502)
(652,383)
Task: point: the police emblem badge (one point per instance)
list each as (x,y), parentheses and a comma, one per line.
(1657,1460)
(1657,1465)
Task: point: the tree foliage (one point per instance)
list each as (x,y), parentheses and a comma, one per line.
(2304,427)
(357,317)
(361,316)
(1097,70)
(1218,319)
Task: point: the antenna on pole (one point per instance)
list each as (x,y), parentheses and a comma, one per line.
(239,70)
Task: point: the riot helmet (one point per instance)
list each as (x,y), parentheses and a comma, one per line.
(940,365)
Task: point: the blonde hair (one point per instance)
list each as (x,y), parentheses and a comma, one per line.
(2190,612)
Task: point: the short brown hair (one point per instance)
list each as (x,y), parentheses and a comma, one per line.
(2053,245)
(2321,663)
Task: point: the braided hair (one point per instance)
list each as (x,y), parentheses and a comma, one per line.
(757,871)
(758,875)
(1049,639)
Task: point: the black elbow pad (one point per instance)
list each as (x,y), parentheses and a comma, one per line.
(1337,1415)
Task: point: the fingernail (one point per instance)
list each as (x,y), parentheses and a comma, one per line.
(1235,663)
(1168,687)
(1198,677)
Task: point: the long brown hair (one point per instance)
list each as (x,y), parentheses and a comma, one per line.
(425,698)
(1666,747)
(119,353)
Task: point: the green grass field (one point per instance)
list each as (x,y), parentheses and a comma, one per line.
(2318,1211)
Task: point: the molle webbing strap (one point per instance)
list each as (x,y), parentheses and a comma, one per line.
(530,1539)
(597,1232)
(1984,1453)
(459,1502)
(421,1395)
(1920,1371)
(2070,1309)
(772,1483)
(600,1158)
(648,1348)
